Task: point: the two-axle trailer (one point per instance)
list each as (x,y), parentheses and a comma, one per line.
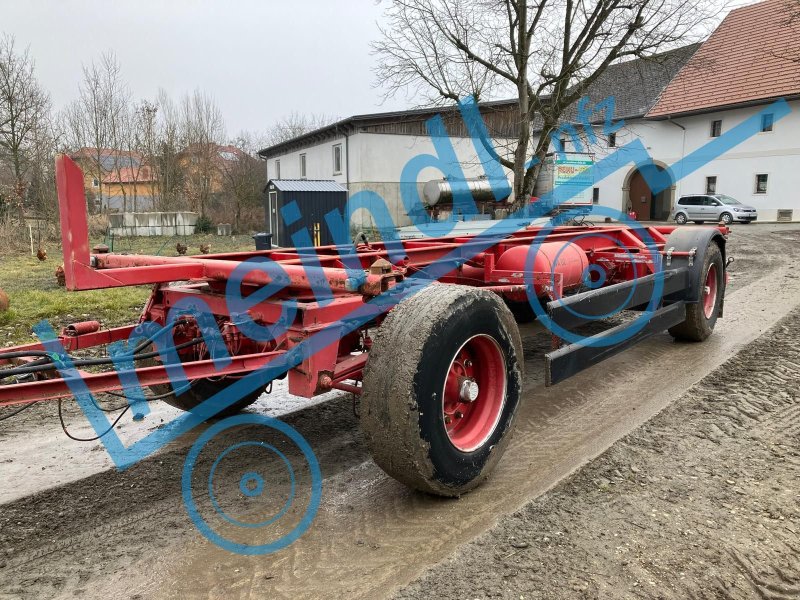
(438,368)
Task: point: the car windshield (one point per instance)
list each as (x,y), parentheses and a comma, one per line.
(728,200)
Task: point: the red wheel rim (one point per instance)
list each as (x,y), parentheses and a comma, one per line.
(710,291)
(474,393)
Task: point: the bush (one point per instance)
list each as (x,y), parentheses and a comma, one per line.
(203,225)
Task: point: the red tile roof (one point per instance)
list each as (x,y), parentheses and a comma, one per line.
(744,61)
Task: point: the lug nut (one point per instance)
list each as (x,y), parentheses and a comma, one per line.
(459,414)
(447,420)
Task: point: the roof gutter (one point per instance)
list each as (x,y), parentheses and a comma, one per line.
(712,109)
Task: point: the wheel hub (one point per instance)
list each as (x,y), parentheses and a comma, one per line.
(469,390)
(474,393)
(709,299)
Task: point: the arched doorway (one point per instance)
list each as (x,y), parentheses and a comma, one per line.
(638,196)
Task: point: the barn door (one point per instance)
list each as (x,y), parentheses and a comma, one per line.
(273,217)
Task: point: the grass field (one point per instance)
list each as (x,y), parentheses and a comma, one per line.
(35,295)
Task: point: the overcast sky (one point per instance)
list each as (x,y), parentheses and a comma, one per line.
(260,60)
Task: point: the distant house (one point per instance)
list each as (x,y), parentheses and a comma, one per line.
(205,165)
(119,181)
(130,189)
(673,103)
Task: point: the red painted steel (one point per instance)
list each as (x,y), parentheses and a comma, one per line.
(619,249)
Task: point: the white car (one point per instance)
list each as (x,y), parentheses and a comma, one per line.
(712,207)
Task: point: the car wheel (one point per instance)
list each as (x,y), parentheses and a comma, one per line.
(680,219)
(726,218)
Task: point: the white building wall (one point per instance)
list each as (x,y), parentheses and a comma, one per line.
(319,162)
(377,162)
(775,153)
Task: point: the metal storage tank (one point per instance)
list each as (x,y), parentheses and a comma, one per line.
(315,198)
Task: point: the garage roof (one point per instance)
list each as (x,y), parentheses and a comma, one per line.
(306,185)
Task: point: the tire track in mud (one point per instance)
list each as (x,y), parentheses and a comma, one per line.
(372,534)
(700,502)
(365,552)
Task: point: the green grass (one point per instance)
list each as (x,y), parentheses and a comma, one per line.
(165,246)
(35,295)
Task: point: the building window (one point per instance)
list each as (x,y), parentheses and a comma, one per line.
(612,140)
(761,183)
(302,166)
(95,183)
(711,185)
(766,122)
(337,159)
(277,169)
(716,128)
(595,195)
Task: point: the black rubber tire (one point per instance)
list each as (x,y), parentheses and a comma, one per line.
(522,311)
(726,218)
(401,406)
(697,327)
(681,219)
(203,389)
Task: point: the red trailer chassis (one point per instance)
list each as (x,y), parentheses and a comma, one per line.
(676,276)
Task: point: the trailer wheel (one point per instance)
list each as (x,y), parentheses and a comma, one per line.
(203,389)
(702,316)
(522,311)
(441,388)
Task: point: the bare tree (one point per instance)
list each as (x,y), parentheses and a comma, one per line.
(100,119)
(203,131)
(244,177)
(24,111)
(545,53)
(791,20)
(295,124)
(166,152)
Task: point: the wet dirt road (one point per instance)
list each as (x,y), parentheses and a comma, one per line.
(123,535)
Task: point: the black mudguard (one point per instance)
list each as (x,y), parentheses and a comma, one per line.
(696,240)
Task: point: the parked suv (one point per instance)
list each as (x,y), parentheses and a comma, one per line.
(712,207)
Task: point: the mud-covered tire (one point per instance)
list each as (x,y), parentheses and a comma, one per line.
(408,382)
(202,390)
(702,316)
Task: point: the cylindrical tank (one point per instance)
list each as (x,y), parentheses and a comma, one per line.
(565,258)
(441,191)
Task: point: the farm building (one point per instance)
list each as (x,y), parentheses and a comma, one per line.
(674,103)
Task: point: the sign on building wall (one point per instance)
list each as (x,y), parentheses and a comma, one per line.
(571,174)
